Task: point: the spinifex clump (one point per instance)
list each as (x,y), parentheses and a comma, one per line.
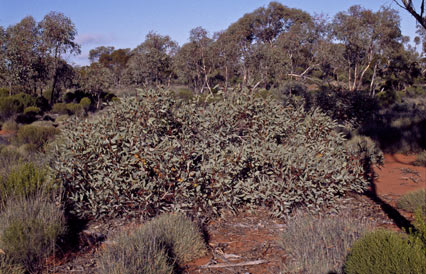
(156,153)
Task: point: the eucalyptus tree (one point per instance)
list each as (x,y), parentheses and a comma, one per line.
(95,54)
(57,37)
(369,39)
(95,79)
(116,61)
(20,50)
(151,62)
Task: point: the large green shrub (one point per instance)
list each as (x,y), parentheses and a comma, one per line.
(60,108)
(156,247)
(10,106)
(85,103)
(154,153)
(29,229)
(384,251)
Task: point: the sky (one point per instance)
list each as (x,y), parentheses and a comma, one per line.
(125,23)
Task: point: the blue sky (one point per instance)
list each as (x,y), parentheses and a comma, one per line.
(124,24)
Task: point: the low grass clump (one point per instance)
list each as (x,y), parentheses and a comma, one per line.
(159,246)
(10,125)
(29,229)
(319,244)
(9,157)
(35,135)
(412,201)
(384,251)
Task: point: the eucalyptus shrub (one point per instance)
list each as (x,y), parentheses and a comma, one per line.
(156,153)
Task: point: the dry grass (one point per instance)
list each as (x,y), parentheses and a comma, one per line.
(319,244)
(29,229)
(159,246)
(412,201)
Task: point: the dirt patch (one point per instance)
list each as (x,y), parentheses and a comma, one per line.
(398,177)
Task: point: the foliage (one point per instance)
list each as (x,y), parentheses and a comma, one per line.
(29,229)
(85,103)
(32,110)
(24,180)
(9,106)
(319,244)
(9,157)
(384,251)
(155,248)
(413,200)
(60,108)
(73,108)
(154,153)
(35,135)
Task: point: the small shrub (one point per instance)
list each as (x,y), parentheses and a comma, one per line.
(29,229)
(74,109)
(32,110)
(24,180)
(9,157)
(10,125)
(42,103)
(10,106)
(421,159)
(319,244)
(34,135)
(85,103)
(25,99)
(413,200)
(60,108)
(384,251)
(62,118)
(4,92)
(157,246)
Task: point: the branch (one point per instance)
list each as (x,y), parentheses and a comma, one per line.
(408,6)
(223,265)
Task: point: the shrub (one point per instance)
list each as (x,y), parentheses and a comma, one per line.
(319,244)
(25,99)
(9,157)
(32,110)
(34,135)
(10,125)
(42,103)
(155,247)
(421,159)
(24,180)
(9,106)
(4,92)
(413,200)
(85,103)
(384,251)
(154,154)
(29,229)
(74,108)
(60,108)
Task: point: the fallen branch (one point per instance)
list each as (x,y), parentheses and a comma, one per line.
(223,265)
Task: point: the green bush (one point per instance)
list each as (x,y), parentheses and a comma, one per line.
(25,99)
(32,110)
(413,200)
(155,153)
(320,244)
(29,229)
(36,136)
(4,92)
(24,180)
(74,108)
(60,108)
(384,251)
(10,106)
(9,157)
(85,103)
(154,248)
